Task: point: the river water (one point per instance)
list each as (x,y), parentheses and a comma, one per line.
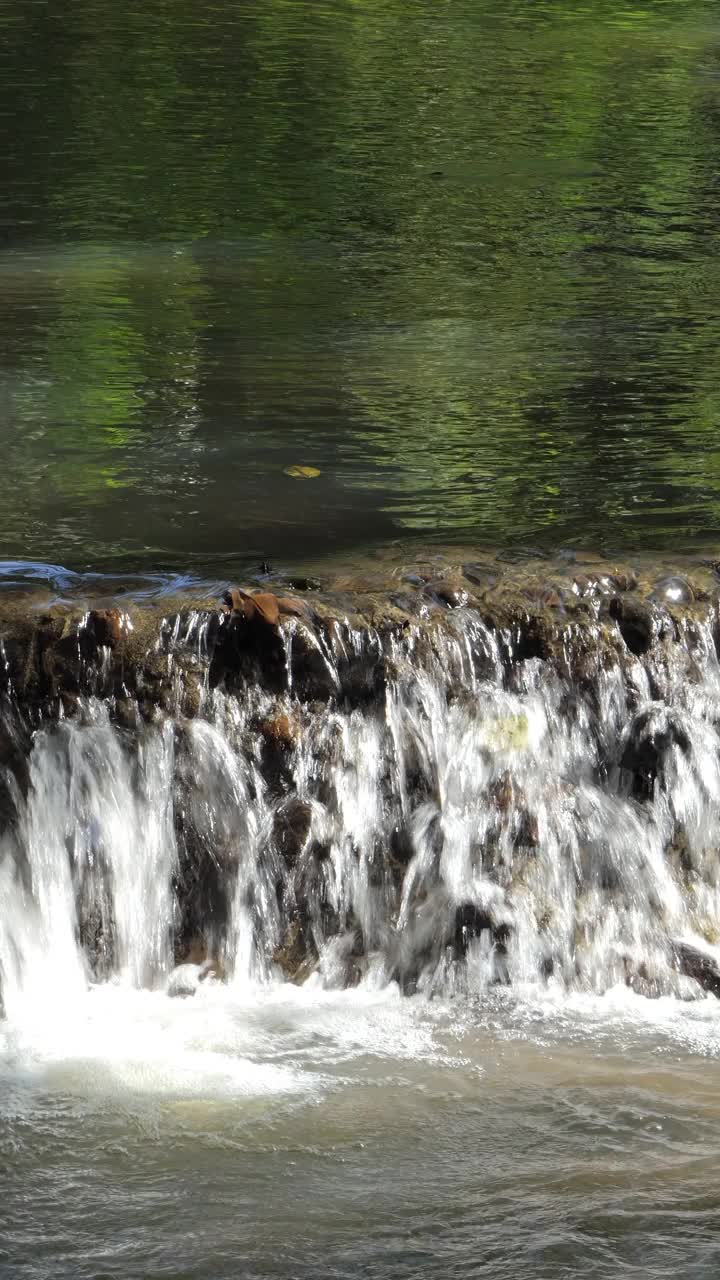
(509,1077)
(461,260)
(334,1134)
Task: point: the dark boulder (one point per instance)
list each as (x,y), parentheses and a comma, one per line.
(636,622)
(291,828)
(698,964)
(104,627)
(248,642)
(469,922)
(652,733)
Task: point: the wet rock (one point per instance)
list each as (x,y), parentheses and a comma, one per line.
(320,851)
(583,585)
(698,964)
(205,865)
(296,955)
(679,852)
(552,599)
(107,625)
(469,922)
(652,733)
(636,623)
(407,603)
(70,703)
(527,833)
(342,958)
(248,643)
(191,698)
(291,828)
(596,585)
(343,649)
(280,731)
(196,951)
(96,934)
(448,594)
(59,664)
(186,978)
(521,555)
(673,590)
(402,849)
(604,582)
(534,638)
(624,580)
(299,583)
(480,575)
(502,792)
(639,978)
(15,747)
(312,669)
(279,735)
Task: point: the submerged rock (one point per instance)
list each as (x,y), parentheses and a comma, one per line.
(451,595)
(186,978)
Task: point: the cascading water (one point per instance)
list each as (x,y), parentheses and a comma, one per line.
(88,864)
(486,817)
(338,932)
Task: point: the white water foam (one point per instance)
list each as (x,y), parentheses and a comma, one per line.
(513,803)
(221,1044)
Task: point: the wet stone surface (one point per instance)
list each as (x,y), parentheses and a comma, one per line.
(394,767)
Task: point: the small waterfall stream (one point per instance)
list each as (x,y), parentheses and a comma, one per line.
(486,817)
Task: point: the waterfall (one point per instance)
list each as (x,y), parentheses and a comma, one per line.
(87,872)
(478,814)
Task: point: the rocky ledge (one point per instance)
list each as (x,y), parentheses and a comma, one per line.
(334,639)
(297,650)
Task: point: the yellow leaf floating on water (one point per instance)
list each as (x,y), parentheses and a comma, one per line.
(302,473)
(508,733)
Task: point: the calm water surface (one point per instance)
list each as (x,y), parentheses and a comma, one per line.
(462,258)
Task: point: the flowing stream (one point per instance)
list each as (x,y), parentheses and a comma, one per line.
(491,1058)
(404,961)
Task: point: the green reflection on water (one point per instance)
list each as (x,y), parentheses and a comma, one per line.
(459,256)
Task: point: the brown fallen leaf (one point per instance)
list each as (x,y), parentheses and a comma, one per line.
(301,473)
